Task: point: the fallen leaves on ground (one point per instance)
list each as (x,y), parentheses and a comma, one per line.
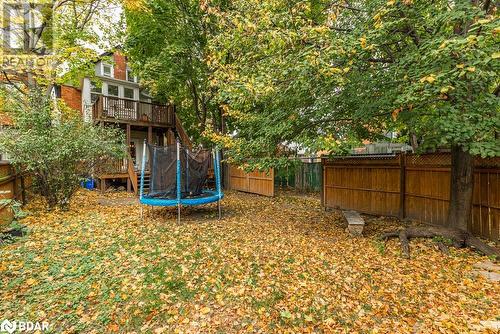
(270,265)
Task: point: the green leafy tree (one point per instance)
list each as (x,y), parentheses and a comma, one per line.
(55,146)
(321,74)
(440,59)
(167,46)
(280,68)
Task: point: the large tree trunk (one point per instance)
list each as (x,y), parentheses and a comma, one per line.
(461,188)
(413,141)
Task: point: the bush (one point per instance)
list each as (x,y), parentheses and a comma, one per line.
(53,143)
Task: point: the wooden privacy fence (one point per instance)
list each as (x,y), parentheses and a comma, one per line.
(411,186)
(12,186)
(261,183)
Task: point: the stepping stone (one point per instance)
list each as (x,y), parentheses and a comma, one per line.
(355,223)
(488,266)
(490,324)
(488,270)
(489,275)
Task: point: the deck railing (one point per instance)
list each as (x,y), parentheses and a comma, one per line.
(108,166)
(109,108)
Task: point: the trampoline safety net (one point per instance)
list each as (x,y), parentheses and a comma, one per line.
(163,167)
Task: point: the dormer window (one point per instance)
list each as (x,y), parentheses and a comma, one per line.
(107,70)
(130,76)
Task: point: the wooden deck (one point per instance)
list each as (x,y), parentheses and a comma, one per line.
(117,110)
(159,118)
(117,169)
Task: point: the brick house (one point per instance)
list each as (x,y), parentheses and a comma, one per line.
(119,100)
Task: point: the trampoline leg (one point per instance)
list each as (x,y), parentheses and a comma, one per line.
(219,208)
(179,213)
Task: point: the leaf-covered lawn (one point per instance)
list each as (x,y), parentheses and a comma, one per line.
(271,265)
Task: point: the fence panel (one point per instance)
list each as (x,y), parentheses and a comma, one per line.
(366,185)
(303,176)
(11,186)
(486,199)
(412,186)
(308,176)
(285,177)
(260,183)
(427,188)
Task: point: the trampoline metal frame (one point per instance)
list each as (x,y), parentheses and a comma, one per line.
(214,196)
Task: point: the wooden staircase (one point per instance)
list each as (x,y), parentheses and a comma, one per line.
(124,168)
(147,180)
(181,133)
(132,175)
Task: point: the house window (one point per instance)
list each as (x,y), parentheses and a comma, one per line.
(112,90)
(107,70)
(95,92)
(128,93)
(130,76)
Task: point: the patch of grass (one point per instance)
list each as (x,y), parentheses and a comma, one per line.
(197,254)
(269,302)
(380,245)
(493,257)
(446,241)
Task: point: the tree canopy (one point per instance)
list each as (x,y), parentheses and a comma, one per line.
(324,74)
(167,44)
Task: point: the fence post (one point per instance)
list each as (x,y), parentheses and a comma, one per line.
(322,188)
(23,191)
(402,184)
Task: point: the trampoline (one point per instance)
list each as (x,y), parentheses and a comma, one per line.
(178,177)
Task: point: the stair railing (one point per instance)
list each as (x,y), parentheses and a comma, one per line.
(131,173)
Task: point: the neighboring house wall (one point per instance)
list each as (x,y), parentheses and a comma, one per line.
(115,81)
(72,97)
(382,148)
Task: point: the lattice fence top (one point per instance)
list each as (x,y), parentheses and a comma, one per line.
(487,162)
(429,159)
(441,159)
(363,160)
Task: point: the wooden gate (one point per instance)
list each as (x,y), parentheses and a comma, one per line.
(260,183)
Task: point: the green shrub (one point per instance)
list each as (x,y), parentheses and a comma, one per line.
(53,143)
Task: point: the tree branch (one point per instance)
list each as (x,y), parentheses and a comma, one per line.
(12,83)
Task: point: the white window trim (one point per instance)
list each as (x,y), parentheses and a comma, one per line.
(126,76)
(119,90)
(112,72)
(135,93)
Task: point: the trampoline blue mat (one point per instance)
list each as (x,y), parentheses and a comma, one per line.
(207,197)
